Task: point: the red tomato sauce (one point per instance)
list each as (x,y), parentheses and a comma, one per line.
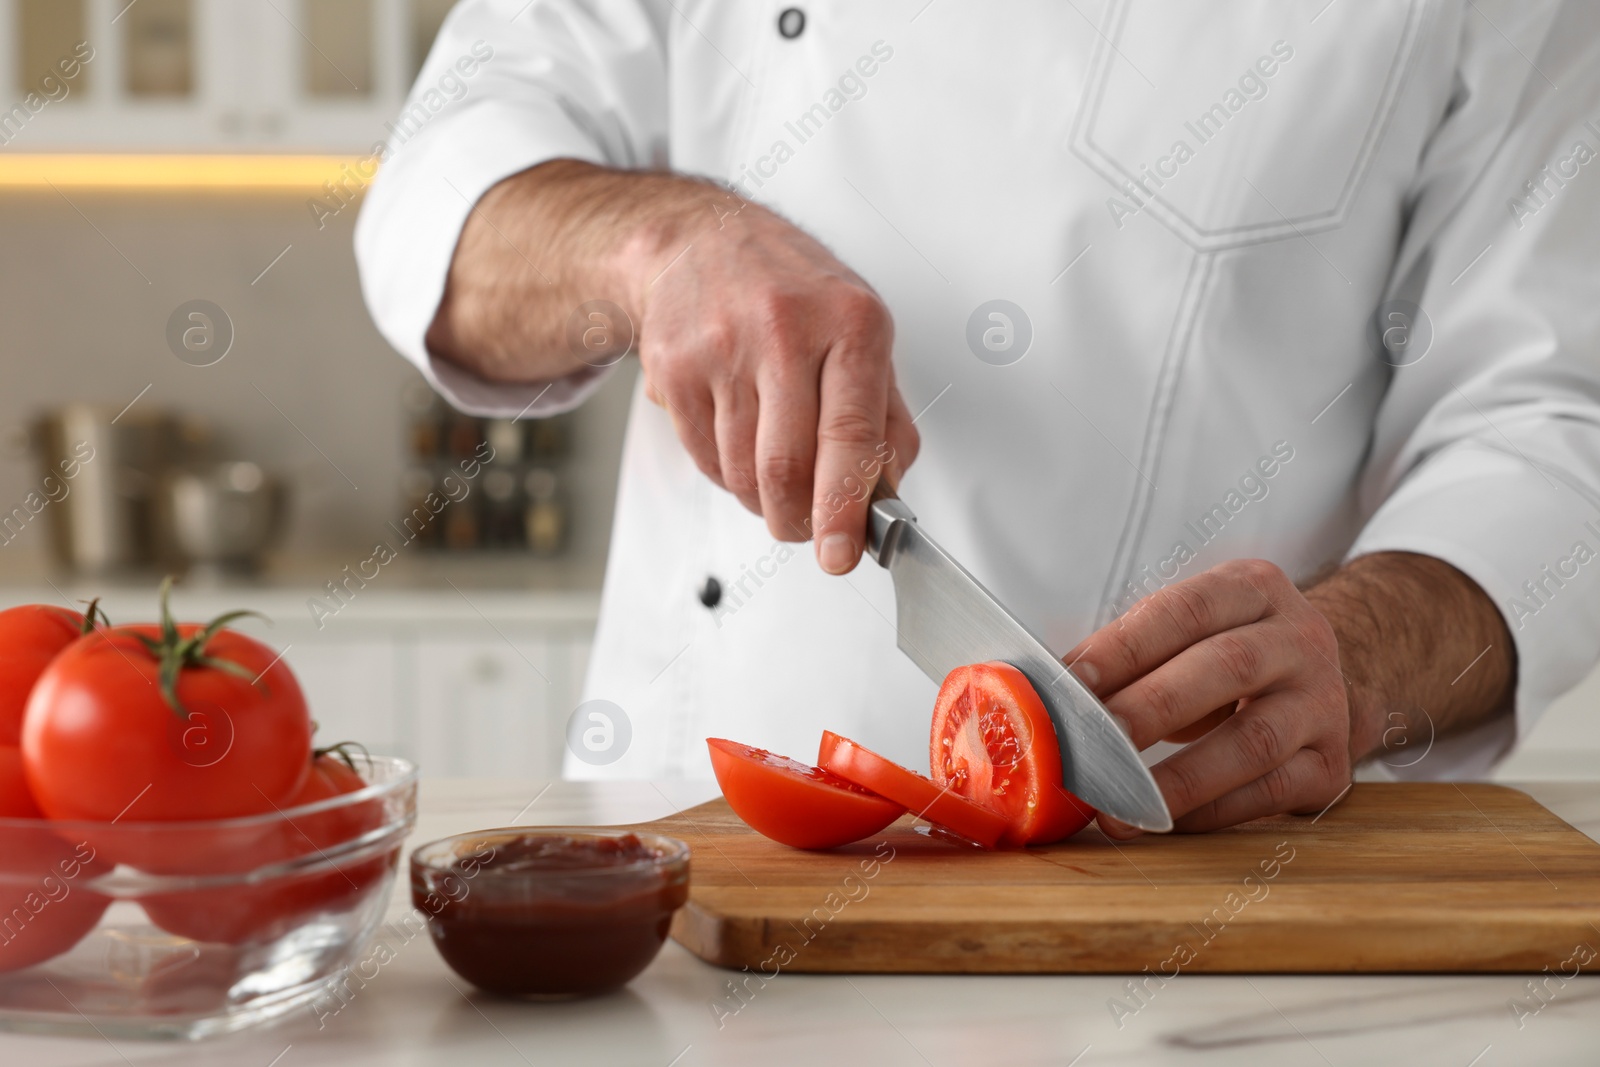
(549,914)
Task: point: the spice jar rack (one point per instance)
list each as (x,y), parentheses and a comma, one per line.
(476,485)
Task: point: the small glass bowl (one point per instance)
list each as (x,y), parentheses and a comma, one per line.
(184,929)
(550,911)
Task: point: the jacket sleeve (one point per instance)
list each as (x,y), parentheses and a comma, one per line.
(508,84)
(1486,452)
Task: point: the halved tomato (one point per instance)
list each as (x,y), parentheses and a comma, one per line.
(794,803)
(920,795)
(994,743)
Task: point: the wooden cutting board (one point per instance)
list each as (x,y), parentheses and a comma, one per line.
(1396,877)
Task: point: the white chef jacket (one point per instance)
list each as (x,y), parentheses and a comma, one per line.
(1208,215)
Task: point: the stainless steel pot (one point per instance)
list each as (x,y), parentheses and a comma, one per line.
(221,517)
(103,467)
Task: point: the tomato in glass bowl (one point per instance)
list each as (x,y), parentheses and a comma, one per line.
(258,941)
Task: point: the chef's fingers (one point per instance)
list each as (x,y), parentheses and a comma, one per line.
(1218,670)
(786,445)
(1202,726)
(694,419)
(1262,737)
(736,408)
(1171,619)
(901,435)
(1308,784)
(850,448)
(1116,829)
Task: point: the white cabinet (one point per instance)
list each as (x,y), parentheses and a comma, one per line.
(495,705)
(460,697)
(353,689)
(477,683)
(461,693)
(287,75)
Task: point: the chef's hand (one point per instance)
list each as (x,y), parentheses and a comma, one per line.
(1239,657)
(1278,692)
(771,357)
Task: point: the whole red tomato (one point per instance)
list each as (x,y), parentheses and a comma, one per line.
(101,742)
(242,914)
(161,724)
(30,637)
(16,801)
(45,907)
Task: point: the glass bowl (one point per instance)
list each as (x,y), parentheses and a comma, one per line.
(195,928)
(550,911)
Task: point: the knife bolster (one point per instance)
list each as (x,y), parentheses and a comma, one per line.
(885,520)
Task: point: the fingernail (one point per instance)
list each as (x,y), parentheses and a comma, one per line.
(1107,824)
(1117,829)
(1087,673)
(836,553)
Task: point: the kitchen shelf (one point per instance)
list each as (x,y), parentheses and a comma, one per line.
(201,75)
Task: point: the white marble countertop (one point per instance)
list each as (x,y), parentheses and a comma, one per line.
(416,1012)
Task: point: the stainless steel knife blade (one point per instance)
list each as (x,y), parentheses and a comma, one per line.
(945,618)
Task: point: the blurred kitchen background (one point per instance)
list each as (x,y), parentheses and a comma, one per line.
(162,268)
(172,294)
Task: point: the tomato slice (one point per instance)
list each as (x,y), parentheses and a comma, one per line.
(920,795)
(793,802)
(994,743)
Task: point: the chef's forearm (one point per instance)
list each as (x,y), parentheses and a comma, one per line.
(544,241)
(1423,649)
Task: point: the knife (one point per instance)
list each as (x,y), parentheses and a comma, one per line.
(945,618)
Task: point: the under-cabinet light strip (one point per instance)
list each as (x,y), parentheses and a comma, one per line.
(193,171)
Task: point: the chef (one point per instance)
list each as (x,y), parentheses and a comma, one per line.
(1247,352)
